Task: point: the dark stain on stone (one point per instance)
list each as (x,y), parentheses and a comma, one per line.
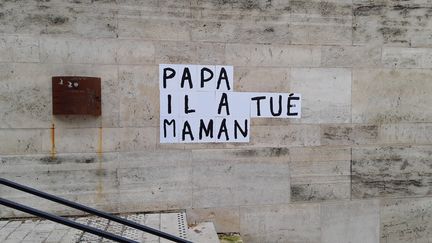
(101,172)
(51,160)
(307,193)
(270,29)
(57,20)
(250,4)
(366,10)
(43,7)
(405,7)
(389,32)
(404,165)
(338,133)
(85,160)
(327,8)
(111,28)
(268,152)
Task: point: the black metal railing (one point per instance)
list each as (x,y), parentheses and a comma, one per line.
(81,207)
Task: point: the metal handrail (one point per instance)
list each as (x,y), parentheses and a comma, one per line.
(65,221)
(82,208)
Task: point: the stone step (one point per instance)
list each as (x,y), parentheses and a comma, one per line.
(37,230)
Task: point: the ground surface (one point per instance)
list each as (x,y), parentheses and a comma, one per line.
(44,231)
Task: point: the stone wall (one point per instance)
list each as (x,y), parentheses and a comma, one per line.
(357,167)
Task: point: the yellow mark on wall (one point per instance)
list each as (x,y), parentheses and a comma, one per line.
(53,147)
(100,173)
(100,150)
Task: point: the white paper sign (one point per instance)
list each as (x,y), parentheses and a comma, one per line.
(198,105)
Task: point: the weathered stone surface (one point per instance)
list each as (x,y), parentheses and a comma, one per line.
(294,135)
(139,96)
(279,223)
(326,94)
(351,56)
(395,57)
(25,98)
(397,171)
(273,55)
(149,181)
(190,52)
(153,28)
(406,220)
(136,52)
(47,18)
(238,32)
(78,50)
(19,49)
(258,79)
(350,221)
(21,141)
(392,22)
(320,174)
(391,96)
(349,134)
(237,177)
(406,133)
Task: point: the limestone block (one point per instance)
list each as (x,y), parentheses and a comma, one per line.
(226,178)
(72,140)
(351,56)
(19,49)
(240,32)
(190,53)
(58,19)
(21,141)
(391,96)
(256,79)
(353,221)
(406,133)
(153,28)
(273,55)
(320,173)
(406,220)
(82,140)
(224,219)
(331,8)
(303,32)
(139,88)
(326,94)
(131,139)
(391,23)
(78,50)
(397,171)
(396,57)
(26,96)
(294,135)
(150,182)
(349,134)
(135,52)
(280,223)
(319,22)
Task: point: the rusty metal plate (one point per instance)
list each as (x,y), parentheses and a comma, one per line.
(74,95)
